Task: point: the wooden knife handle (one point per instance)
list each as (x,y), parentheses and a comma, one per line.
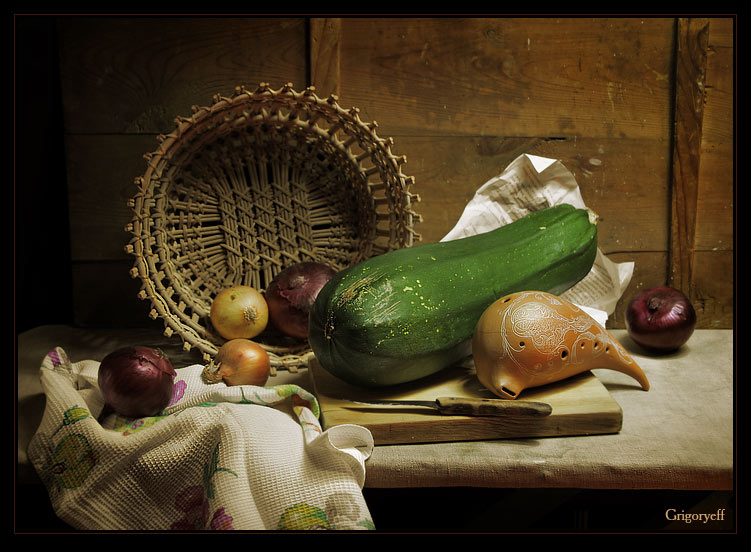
(491,407)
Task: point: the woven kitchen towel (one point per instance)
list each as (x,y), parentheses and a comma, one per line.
(218,457)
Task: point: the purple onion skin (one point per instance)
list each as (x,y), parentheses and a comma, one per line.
(660,319)
(291,294)
(137,381)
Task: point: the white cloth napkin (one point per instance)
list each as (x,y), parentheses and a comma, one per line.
(218,457)
(530,183)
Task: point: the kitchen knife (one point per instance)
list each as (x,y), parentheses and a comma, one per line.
(458,406)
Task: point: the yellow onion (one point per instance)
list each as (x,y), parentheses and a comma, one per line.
(239,362)
(239,312)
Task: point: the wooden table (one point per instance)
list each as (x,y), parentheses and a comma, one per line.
(679,436)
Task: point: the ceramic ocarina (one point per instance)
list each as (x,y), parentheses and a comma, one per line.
(533,338)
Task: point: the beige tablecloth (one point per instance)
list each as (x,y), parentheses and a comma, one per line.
(678,435)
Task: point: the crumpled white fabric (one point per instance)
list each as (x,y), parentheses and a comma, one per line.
(530,183)
(218,457)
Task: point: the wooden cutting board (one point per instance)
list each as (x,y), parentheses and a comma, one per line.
(581,406)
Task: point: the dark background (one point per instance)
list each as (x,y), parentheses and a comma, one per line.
(40,281)
(41,249)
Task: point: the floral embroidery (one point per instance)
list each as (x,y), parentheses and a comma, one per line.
(195,507)
(221,520)
(212,468)
(366,524)
(300,397)
(302,401)
(303,517)
(72,461)
(203,404)
(57,361)
(54,356)
(178,392)
(344,512)
(194,501)
(71,416)
(128,426)
(341,512)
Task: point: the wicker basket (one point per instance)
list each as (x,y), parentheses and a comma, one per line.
(251,185)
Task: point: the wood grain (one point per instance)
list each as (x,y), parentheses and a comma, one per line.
(461,97)
(136,74)
(543,77)
(692,36)
(650,270)
(581,406)
(713,292)
(714,269)
(623,181)
(325,55)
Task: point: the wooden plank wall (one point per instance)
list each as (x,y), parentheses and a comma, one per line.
(641,111)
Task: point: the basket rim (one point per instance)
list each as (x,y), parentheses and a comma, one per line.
(226,114)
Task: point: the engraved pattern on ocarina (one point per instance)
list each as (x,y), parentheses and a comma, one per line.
(532,338)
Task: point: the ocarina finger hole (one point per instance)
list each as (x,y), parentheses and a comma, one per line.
(508,392)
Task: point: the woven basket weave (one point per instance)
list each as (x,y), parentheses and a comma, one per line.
(251,185)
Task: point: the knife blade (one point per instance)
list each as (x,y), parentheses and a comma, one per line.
(465,406)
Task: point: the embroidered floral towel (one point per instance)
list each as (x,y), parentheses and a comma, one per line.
(217,457)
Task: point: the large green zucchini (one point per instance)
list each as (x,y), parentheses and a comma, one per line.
(411,312)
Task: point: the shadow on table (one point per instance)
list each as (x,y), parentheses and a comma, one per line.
(464,509)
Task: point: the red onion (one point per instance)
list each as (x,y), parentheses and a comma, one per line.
(291,294)
(660,319)
(136,381)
